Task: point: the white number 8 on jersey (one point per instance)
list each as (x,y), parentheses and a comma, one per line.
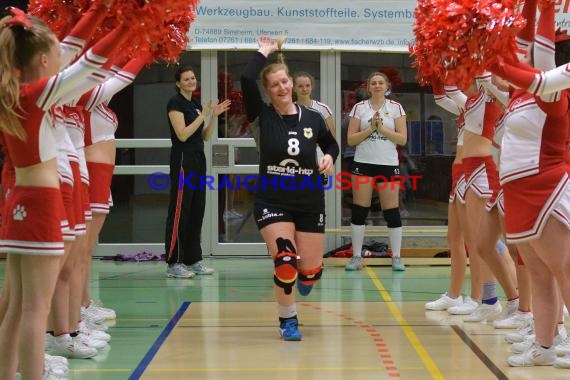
(293,147)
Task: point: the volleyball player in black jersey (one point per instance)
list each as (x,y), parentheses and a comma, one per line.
(289,201)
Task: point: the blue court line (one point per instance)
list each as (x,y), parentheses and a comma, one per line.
(137,373)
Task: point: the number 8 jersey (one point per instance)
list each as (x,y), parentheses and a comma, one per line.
(288,169)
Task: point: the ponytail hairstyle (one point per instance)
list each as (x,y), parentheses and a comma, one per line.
(275,67)
(22,38)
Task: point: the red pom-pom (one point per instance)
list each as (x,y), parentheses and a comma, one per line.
(458,40)
(59,15)
(159,26)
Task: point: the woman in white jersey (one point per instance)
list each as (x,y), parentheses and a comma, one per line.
(303,84)
(376,126)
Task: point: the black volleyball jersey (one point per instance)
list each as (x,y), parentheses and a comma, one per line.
(288,169)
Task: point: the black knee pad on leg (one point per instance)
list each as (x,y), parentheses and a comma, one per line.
(285,272)
(392,217)
(310,276)
(359,215)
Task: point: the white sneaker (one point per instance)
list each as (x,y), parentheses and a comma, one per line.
(520,334)
(92,316)
(200,268)
(520,347)
(57,365)
(55,359)
(50,375)
(517,320)
(179,270)
(90,341)
(484,312)
(534,356)
(94,326)
(563,362)
(444,302)
(97,334)
(469,305)
(97,307)
(355,263)
(563,348)
(66,346)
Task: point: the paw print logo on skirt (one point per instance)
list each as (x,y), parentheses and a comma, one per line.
(19,213)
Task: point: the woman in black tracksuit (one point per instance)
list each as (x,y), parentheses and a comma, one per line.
(186,118)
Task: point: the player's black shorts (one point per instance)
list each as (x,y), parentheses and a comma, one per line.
(266,214)
(380,173)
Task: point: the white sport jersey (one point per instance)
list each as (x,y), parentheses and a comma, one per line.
(321,108)
(65,149)
(103,124)
(376,148)
(522,140)
(498,140)
(325,112)
(448,104)
(460,99)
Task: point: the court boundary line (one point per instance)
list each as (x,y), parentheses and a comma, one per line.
(145,361)
(495,370)
(405,326)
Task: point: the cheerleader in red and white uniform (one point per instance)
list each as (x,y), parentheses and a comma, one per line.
(32,236)
(99,141)
(452,301)
(453,100)
(482,227)
(63,320)
(535,173)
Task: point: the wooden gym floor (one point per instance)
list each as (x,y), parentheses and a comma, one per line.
(369,324)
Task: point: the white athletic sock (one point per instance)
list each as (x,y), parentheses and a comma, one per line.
(287,311)
(395,237)
(357,233)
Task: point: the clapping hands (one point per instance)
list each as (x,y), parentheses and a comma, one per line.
(214,108)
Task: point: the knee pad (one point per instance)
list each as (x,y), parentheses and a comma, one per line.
(285,273)
(310,276)
(359,215)
(392,217)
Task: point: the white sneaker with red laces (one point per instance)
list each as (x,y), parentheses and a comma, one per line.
(534,356)
(64,345)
